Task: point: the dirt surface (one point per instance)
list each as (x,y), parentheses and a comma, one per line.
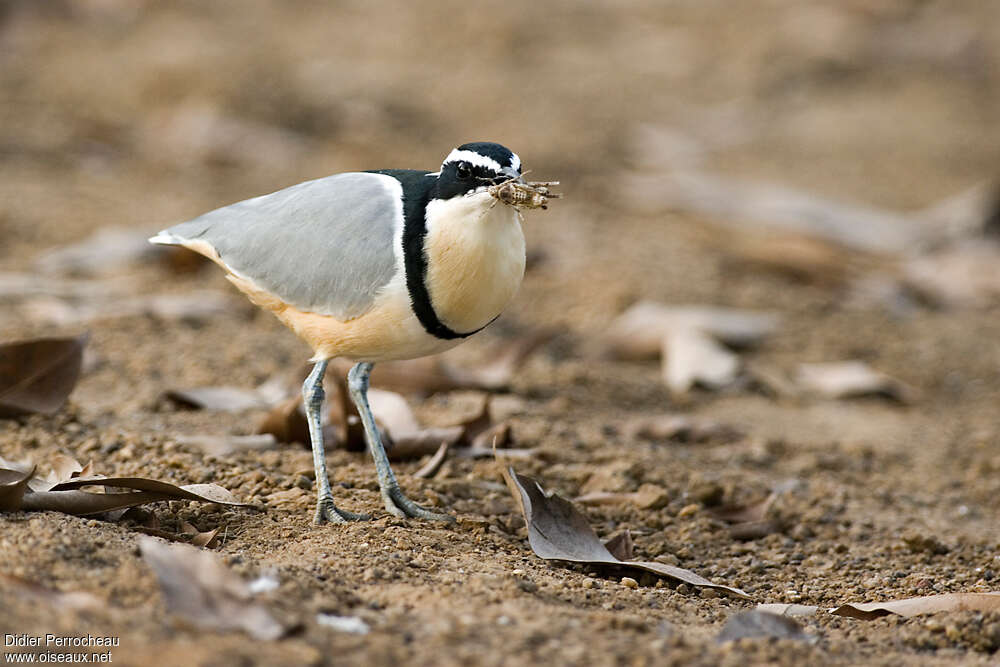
(136,114)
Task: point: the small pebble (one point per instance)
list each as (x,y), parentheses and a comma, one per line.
(688,510)
(588,583)
(709,593)
(518,572)
(629,582)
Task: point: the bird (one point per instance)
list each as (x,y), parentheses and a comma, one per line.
(372,266)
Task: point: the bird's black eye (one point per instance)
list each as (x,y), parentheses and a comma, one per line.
(463,170)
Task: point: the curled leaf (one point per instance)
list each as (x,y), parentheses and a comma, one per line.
(929,604)
(220,399)
(691,357)
(23,491)
(757,623)
(37,376)
(434,463)
(13,486)
(199,589)
(638,332)
(558,531)
(847,379)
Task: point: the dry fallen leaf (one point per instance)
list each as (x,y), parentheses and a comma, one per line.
(648,497)
(788,609)
(198,538)
(769,206)
(219,399)
(756,623)
(691,357)
(930,604)
(407,438)
(428,375)
(195,306)
(748,522)
(37,376)
(434,463)
(797,257)
(847,379)
(961,275)
(286,422)
(221,445)
(621,545)
(22,491)
(680,428)
(13,486)
(638,332)
(106,250)
(558,531)
(199,589)
(907,607)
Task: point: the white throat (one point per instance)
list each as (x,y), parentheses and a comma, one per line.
(475,258)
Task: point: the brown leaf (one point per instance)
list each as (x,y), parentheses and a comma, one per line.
(219,399)
(64,468)
(107,249)
(13,486)
(961,275)
(434,463)
(198,538)
(37,376)
(691,357)
(558,531)
(286,422)
(434,374)
(798,257)
(847,379)
(930,604)
(755,511)
(195,306)
(221,445)
(621,546)
(407,437)
(754,530)
(770,206)
(198,588)
(506,359)
(638,332)
(649,496)
(680,428)
(756,623)
(66,496)
(786,609)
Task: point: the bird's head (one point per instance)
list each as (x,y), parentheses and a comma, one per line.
(472,168)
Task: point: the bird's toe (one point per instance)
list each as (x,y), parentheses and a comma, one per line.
(327,512)
(398,504)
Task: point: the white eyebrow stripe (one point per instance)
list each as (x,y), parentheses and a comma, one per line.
(473,158)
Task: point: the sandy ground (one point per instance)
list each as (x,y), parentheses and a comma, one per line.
(137,114)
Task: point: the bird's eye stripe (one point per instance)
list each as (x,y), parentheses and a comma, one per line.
(473,158)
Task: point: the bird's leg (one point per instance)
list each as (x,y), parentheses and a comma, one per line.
(395,502)
(312,398)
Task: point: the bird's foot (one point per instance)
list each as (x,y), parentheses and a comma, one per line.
(397,504)
(327,512)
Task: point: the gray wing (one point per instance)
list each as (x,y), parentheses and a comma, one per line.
(323,246)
